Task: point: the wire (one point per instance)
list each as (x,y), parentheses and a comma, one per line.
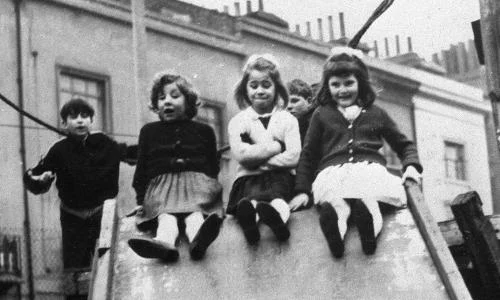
(353,43)
(30,116)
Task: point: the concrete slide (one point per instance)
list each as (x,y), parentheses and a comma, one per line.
(405,266)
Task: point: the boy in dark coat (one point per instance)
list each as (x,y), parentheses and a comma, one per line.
(301,104)
(86,166)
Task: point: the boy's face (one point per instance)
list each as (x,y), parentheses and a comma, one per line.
(78,124)
(297,105)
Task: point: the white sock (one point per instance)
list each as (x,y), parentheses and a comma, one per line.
(282,208)
(193,224)
(167,229)
(343,211)
(254,203)
(374,209)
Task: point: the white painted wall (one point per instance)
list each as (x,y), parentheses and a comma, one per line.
(435,124)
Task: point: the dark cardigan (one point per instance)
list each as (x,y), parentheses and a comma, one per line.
(304,121)
(161,144)
(331,140)
(87,171)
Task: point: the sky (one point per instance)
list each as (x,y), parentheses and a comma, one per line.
(433,25)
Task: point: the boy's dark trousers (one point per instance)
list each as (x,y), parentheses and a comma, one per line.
(79,238)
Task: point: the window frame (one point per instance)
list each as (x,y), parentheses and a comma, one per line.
(461,161)
(221,111)
(103,79)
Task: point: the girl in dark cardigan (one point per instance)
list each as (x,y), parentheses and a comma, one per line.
(340,161)
(176,174)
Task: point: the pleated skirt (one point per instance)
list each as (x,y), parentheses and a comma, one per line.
(262,187)
(183,192)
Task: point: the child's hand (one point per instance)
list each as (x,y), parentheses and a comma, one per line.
(138,211)
(44,177)
(411,173)
(301,200)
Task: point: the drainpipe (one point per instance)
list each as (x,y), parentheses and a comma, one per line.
(22,150)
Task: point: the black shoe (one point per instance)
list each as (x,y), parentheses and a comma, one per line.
(328,220)
(364,222)
(271,217)
(151,248)
(207,233)
(245,212)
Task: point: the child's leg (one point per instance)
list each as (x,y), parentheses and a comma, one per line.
(333,222)
(248,218)
(275,215)
(201,232)
(167,231)
(163,245)
(369,222)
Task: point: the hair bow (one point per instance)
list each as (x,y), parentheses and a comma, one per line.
(346,50)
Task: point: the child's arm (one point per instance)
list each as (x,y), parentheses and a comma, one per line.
(250,155)
(213,159)
(140,180)
(290,157)
(39,179)
(404,147)
(310,156)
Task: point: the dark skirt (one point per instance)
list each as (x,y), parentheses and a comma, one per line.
(262,187)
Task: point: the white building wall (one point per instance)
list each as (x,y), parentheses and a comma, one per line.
(436,123)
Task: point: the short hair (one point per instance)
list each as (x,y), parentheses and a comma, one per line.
(261,63)
(300,88)
(165,78)
(345,64)
(75,107)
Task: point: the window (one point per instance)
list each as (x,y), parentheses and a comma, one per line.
(454,160)
(211,113)
(92,88)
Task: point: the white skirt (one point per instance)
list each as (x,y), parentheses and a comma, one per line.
(362,180)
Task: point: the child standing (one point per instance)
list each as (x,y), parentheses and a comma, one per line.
(341,158)
(300,104)
(87,169)
(176,173)
(265,141)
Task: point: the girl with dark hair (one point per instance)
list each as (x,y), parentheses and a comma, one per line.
(341,163)
(176,174)
(265,141)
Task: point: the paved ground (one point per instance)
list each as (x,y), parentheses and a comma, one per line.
(301,268)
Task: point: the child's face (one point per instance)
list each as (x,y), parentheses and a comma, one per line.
(297,105)
(344,89)
(78,124)
(261,91)
(172,103)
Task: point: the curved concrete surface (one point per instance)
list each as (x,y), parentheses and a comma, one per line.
(301,268)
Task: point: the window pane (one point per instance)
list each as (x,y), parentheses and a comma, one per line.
(64,82)
(78,86)
(210,114)
(92,89)
(64,97)
(454,161)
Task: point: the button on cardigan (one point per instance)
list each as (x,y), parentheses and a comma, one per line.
(162,144)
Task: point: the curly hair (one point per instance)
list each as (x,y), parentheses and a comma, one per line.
(261,63)
(164,78)
(342,65)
